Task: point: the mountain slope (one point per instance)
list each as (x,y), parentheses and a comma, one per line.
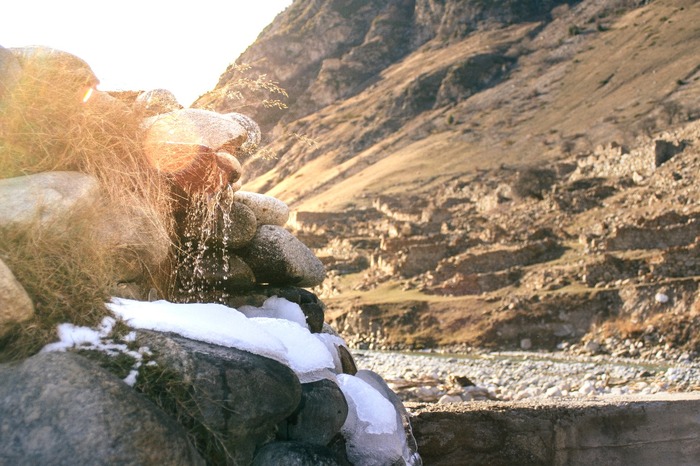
(402,96)
(485,175)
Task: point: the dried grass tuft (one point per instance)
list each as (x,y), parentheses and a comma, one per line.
(46,126)
(65,273)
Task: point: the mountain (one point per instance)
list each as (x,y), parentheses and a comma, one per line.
(463,166)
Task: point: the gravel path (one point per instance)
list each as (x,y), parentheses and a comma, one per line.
(519,375)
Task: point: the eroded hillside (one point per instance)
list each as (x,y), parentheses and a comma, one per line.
(480,173)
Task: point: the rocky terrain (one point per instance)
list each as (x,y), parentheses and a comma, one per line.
(481,174)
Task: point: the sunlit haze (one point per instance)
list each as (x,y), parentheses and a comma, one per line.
(147,44)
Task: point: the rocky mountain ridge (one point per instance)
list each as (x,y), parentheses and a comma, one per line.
(472,171)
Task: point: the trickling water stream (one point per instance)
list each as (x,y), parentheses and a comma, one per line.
(204,248)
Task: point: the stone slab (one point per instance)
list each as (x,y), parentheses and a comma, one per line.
(650,430)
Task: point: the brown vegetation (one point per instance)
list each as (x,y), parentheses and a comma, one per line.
(44,126)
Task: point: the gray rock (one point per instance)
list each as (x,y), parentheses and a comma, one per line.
(278,258)
(157,101)
(15,304)
(46,199)
(237,397)
(347,361)
(212,273)
(10,72)
(295,454)
(639,430)
(267,209)
(235,226)
(310,305)
(197,126)
(254,134)
(138,242)
(61,409)
(319,416)
(195,148)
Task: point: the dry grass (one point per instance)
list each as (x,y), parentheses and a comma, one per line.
(46,126)
(66,276)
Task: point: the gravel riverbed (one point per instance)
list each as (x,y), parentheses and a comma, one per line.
(445,378)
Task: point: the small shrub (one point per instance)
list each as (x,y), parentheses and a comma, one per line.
(533,182)
(574,30)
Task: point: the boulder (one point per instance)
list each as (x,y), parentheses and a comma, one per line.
(311,306)
(139,243)
(236,396)
(15,305)
(267,209)
(157,101)
(48,199)
(195,148)
(197,126)
(193,167)
(295,454)
(60,408)
(254,134)
(319,416)
(213,272)
(278,258)
(235,225)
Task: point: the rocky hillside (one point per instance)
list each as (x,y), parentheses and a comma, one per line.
(487,172)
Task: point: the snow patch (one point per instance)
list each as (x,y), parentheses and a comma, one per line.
(282,339)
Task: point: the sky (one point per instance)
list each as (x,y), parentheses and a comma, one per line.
(140,45)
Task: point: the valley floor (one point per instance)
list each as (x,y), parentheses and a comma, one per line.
(506,376)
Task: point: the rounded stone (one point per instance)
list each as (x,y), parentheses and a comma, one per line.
(268,210)
(235,225)
(214,272)
(47,199)
(278,258)
(319,416)
(15,304)
(60,408)
(157,101)
(295,454)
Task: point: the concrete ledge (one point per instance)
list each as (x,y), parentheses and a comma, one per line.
(653,430)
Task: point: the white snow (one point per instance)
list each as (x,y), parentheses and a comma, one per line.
(73,336)
(306,355)
(280,339)
(332,343)
(211,323)
(370,405)
(279,308)
(371,430)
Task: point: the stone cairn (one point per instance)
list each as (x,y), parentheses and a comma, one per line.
(217,405)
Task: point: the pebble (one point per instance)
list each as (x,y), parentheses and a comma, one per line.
(430,377)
